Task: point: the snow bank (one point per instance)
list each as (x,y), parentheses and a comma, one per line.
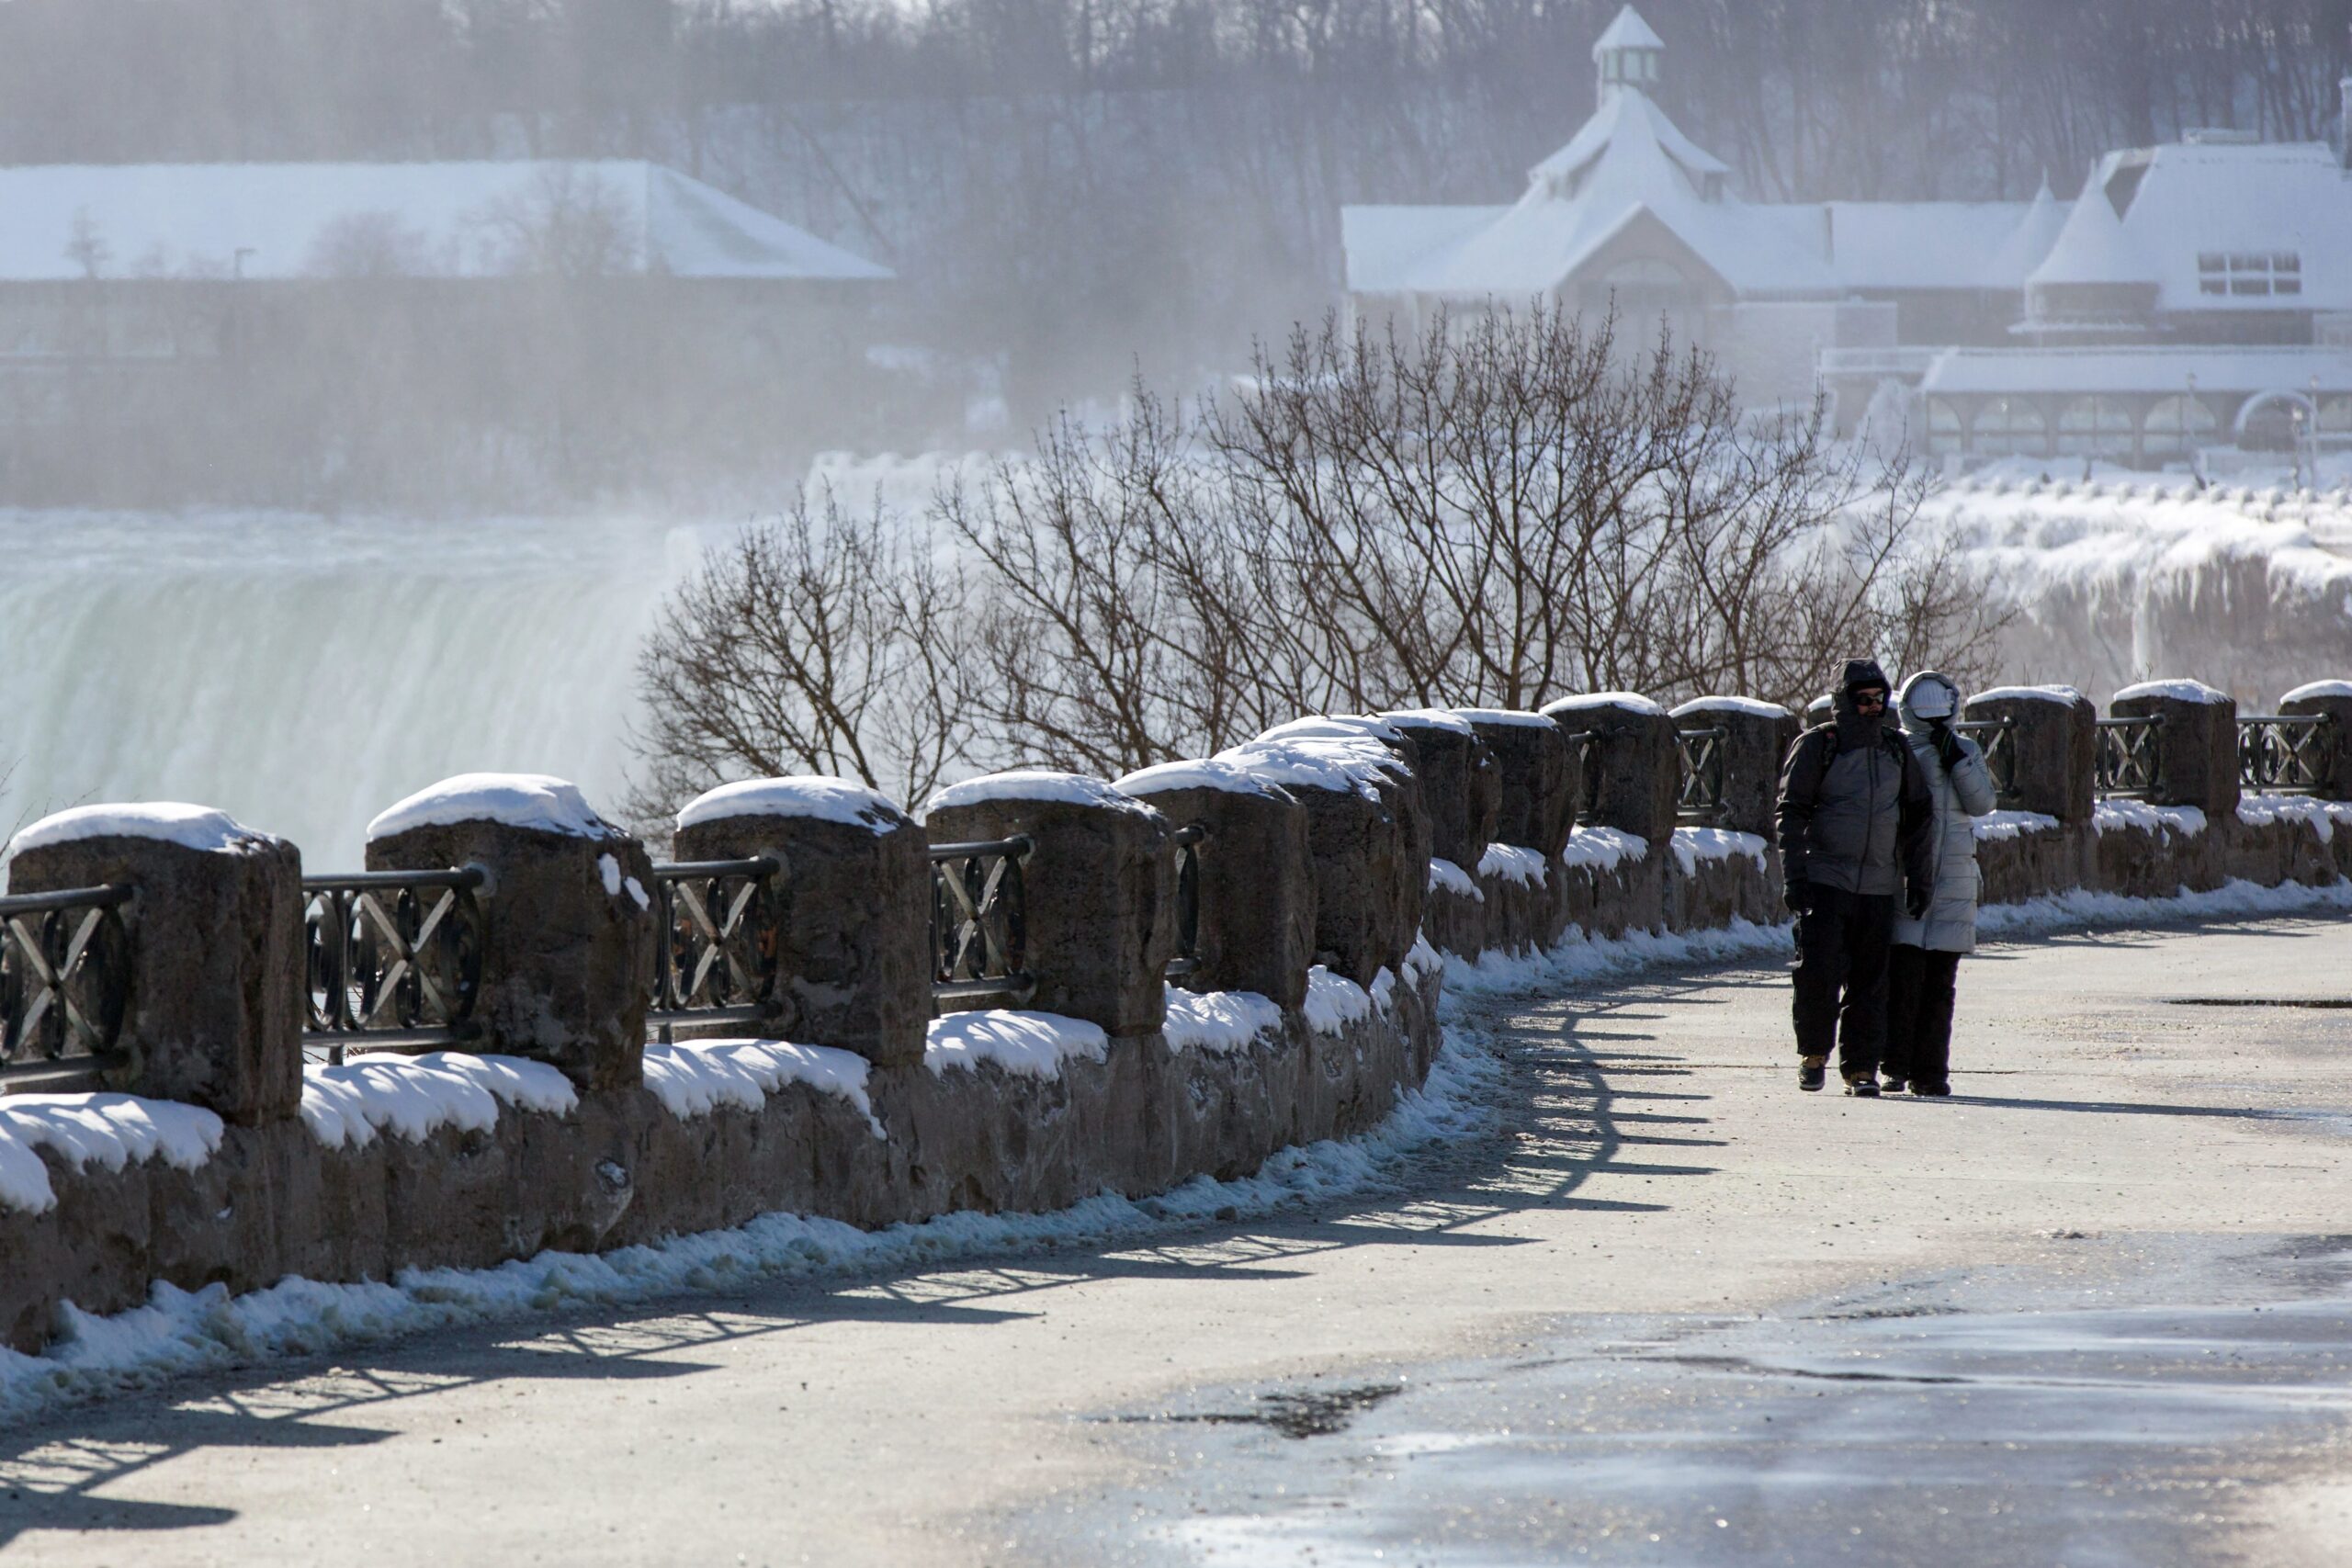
(412,1096)
(2066,694)
(514,800)
(110,1130)
(1513,863)
(1603,849)
(699,1076)
(2113,816)
(1583,700)
(2009,824)
(1450,878)
(1502,715)
(2319,689)
(809,796)
(2081,907)
(1219,1021)
(1032,1045)
(1334,1001)
(1033,784)
(2323,817)
(1428,718)
(1207,772)
(1692,845)
(2178,690)
(166,821)
(1753,707)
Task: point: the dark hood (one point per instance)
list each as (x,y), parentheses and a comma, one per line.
(1853,729)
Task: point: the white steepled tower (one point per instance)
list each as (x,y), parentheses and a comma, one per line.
(1627,55)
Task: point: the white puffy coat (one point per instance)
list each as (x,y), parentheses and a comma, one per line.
(1962,794)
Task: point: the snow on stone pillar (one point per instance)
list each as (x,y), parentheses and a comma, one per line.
(214,1006)
(2052,741)
(1394,753)
(850,912)
(2334,746)
(1537,788)
(1095,891)
(568,937)
(1755,743)
(1633,771)
(1458,783)
(1255,893)
(2196,747)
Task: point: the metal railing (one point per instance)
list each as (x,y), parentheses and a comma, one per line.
(718,920)
(1585,758)
(2284,753)
(65,986)
(393,959)
(2127,763)
(1699,795)
(1997,738)
(1188,900)
(980,938)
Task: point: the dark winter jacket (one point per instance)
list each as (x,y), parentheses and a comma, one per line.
(1855,810)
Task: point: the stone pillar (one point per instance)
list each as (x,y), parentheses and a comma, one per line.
(2333,699)
(1095,890)
(1756,744)
(2053,746)
(852,918)
(1537,788)
(1256,890)
(1633,771)
(2196,747)
(1350,740)
(214,923)
(569,941)
(1457,774)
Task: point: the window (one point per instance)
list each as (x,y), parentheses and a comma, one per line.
(2249,274)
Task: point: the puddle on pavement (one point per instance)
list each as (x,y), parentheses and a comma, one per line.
(1314,1412)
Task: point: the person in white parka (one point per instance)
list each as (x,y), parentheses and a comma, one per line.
(1924,964)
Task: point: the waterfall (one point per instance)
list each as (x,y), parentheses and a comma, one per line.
(303,672)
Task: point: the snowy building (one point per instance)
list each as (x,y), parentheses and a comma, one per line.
(1976,311)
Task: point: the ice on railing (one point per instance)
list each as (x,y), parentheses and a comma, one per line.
(809,796)
(1032,784)
(1031,1045)
(533,801)
(345,1106)
(196,828)
(110,1130)
(1219,1021)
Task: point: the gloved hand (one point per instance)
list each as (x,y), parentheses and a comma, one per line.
(1947,744)
(1916,903)
(1798,895)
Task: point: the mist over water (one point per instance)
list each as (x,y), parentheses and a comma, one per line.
(303,673)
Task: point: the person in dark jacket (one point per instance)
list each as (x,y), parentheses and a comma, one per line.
(1855,823)
(1922,970)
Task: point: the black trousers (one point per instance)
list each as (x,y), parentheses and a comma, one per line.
(1918,1014)
(1842,944)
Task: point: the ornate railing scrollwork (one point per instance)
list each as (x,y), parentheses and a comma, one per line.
(2127,767)
(394,959)
(718,923)
(2284,753)
(65,986)
(1699,797)
(1188,839)
(1995,738)
(980,938)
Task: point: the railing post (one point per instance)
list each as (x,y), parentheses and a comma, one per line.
(2195,745)
(1633,769)
(1458,783)
(568,941)
(1756,741)
(2053,746)
(1095,890)
(1537,790)
(850,916)
(215,974)
(1255,886)
(2332,699)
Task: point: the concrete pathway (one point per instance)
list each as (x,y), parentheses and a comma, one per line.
(2088,1311)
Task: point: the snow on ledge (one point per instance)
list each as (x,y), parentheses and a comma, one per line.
(2065,695)
(814,797)
(534,801)
(1344,764)
(196,828)
(1035,784)
(2319,689)
(1692,845)
(1428,718)
(1334,727)
(1032,1045)
(111,1130)
(1513,863)
(1754,707)
(1207,772)
(1219,1021)
(2322,817)
(2114,816)
(1995,825)
(1518,716)
(1422,959)
(412,1096)
(1446,876)
(1583,700)
(2178,690)
(1603,849)
(1334,1001)
(698,1077)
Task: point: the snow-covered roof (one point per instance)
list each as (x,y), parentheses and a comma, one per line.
(458,219)
(2158,370)
(1937,244)
(1628,32)
(1385,245)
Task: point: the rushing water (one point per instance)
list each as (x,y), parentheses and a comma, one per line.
(303,672)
